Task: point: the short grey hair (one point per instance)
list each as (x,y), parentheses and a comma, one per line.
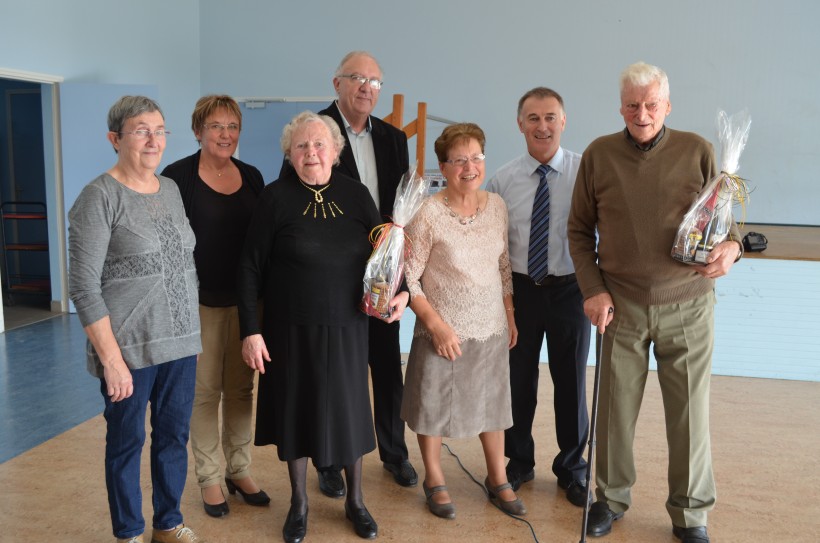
(129,107)
(310,117)
(354,54)
(642,74)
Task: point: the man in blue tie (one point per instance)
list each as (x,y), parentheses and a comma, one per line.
(537,188)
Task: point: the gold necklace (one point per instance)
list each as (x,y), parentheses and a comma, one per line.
(319,201)
(462,220)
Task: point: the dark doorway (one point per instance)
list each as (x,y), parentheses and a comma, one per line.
(24,254)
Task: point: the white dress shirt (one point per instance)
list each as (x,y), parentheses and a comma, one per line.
(516,182)
(362,146)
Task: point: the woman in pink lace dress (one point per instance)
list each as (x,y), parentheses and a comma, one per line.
(459,275)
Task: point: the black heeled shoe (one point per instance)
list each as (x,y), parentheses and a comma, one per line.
(363,523)
(295,526)
(257,498)
(218,510)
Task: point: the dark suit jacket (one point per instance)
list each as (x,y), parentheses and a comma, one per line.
(392,161)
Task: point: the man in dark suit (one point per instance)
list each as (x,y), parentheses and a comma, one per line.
(376,154)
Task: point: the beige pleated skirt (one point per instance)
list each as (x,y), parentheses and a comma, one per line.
(462,398)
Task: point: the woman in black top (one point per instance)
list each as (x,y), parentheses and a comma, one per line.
(305,255)
(219,194)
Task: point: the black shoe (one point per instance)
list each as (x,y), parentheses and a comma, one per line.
(331,483)
(516,478)
(257,498)
(601,518)
(295,526)
(217,510)
(695,534)
(403,473)
(363,523)
(576,492)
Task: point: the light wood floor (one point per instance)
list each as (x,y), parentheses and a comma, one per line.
(766,443)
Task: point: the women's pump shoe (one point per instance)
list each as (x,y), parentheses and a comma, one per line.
(513,507)
(442,510)
(216,510)
(257,498)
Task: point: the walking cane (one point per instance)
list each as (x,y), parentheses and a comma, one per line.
(599,340)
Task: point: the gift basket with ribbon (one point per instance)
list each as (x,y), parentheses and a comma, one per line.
(385,267)
(708,221)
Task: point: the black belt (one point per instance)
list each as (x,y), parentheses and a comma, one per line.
(548,281)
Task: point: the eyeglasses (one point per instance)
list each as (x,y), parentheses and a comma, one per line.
(461,161)
(651,107)
(145,134)
(217,128)
(375,84)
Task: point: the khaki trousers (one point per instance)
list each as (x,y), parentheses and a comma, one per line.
(221,375)
(682,336)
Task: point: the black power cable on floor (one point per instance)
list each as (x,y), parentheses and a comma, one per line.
(470,475)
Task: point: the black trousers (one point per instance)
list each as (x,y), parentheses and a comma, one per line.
(554,309)
(384,357)
(388,389)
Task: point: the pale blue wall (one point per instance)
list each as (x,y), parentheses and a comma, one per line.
(468,61)
(152,42)
(472,61)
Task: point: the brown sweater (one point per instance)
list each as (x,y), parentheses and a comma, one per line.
(637,199)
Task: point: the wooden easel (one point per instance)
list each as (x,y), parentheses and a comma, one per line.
(417,127)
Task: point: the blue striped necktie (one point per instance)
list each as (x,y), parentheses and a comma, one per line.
(540,228)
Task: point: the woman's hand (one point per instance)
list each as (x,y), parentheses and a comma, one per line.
(445,341)
(255,352)
(513,329)
(397,305)
(509,309)
(118,381)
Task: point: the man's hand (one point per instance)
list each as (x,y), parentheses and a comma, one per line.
(599,310)
(720,260)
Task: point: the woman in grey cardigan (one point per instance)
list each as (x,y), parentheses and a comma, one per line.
(133,282)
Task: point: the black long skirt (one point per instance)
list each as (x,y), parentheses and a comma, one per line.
(313,399)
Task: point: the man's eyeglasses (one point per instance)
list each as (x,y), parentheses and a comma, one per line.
(375,84)
(461,161)
(217,128)
(145,134)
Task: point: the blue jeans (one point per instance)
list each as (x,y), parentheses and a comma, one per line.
(170,389)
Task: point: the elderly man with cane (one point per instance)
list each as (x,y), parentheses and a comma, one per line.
(633,189)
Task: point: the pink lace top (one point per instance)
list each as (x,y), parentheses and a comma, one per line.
(462,269)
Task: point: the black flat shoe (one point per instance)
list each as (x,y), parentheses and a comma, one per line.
(218,510)
(295,526)
(331,483)
(363,523)
(516,479)
(576,492)
(695,534)
(601,518)
(257,498)
(404,473)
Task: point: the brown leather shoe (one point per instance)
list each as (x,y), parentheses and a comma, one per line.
(179,534)
(135,539)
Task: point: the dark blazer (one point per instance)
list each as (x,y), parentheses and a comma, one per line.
(392,160)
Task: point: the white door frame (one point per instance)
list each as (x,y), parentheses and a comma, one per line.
(56,202)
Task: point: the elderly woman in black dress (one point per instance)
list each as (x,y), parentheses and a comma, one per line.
(305,255)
